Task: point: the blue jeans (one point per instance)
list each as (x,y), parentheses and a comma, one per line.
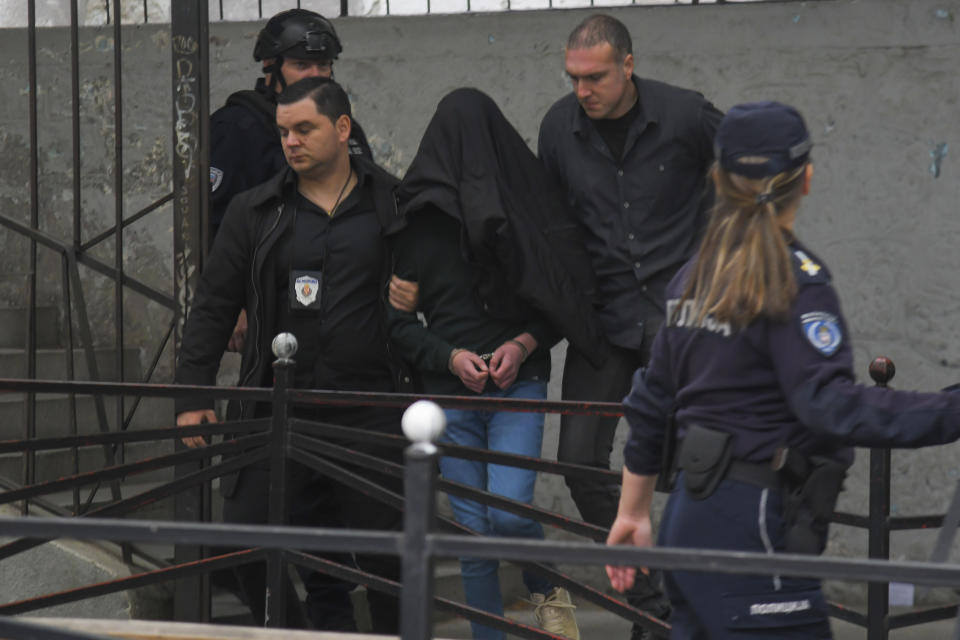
(520,433)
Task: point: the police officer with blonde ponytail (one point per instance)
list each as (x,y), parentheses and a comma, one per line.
(748,407)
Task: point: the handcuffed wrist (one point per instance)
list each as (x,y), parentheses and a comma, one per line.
(523,348)
(453,354)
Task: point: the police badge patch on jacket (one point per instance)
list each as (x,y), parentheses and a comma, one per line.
(305,290)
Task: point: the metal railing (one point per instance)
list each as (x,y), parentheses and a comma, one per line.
(77,247)
(433,545)
(105,12)
(879,524)
(321,447)
(281,438)
(83,251)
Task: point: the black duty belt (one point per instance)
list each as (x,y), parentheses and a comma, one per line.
(706,457)
(760,474)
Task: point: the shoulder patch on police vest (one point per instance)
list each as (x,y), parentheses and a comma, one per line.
(216,177)
(808,269)
(822,330)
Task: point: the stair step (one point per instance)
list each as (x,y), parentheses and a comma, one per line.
(58,463)
(13,327)
(162,510)
(53,414)
(64,564)
(51,364)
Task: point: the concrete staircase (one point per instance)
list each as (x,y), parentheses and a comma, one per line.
(53,411)
(53,419)
(65,564)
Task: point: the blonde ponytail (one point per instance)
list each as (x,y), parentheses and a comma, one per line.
(744,267)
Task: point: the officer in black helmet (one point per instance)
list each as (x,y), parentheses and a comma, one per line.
(244,146)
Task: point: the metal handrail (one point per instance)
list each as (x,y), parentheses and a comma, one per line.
(301,444)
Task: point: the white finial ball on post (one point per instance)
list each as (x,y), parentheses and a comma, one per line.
(423,421)
(284,345)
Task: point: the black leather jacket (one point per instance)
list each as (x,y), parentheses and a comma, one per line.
(238,275)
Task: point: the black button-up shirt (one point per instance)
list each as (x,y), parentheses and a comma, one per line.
(644,213)
(343,343)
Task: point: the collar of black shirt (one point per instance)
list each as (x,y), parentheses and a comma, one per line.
(363,177)
(647,110)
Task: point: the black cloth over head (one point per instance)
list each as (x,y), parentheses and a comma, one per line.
(518,230)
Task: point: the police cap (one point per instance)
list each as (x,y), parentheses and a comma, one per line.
(298,34)
(761,139)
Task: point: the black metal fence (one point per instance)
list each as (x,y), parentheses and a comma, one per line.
(280,439)
(83,256)
(320,446)
(186,200)
(105,12)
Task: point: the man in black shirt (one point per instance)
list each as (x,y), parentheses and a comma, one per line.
(304,253)
(631,155)
(244,148)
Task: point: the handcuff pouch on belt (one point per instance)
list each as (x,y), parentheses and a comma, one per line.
(812,487)
(667,477)
(705,456)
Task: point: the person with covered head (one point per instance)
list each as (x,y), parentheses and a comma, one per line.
(752,378)
(498,263)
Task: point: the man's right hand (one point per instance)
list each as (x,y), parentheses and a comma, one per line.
(403,294)
(191,418)
(471,369)
(239,335)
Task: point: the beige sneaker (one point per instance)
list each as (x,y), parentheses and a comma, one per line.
(554,613)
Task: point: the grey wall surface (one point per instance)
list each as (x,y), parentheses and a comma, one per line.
(877,82)
(146,126)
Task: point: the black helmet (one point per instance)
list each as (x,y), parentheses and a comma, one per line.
(298,34)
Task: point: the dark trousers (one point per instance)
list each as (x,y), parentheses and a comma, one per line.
(725,606)
(588,440)
(313,500)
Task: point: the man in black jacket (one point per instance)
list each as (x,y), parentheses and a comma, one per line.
(631,155)
(244,148)
(304,253)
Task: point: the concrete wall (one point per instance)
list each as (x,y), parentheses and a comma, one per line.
(147,176)
(876,80)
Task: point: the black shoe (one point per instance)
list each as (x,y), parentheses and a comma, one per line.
(639,633)
(647,595)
